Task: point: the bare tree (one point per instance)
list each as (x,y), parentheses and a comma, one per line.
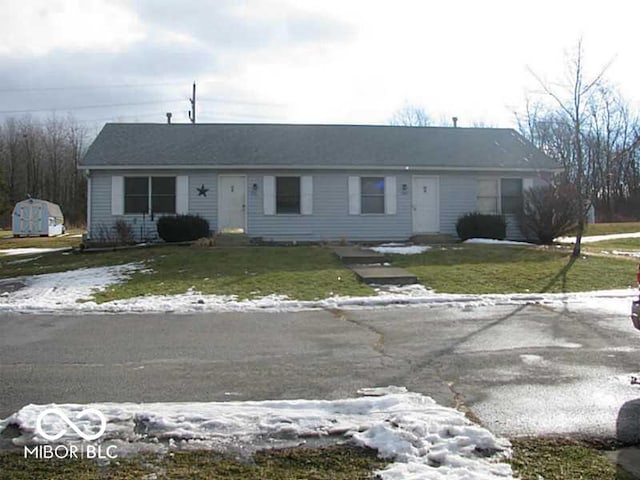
(572,98)
(411,116)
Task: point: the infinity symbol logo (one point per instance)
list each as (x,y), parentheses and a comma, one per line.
(60,414)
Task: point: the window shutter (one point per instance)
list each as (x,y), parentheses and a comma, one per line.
(117,195)
(390,196)
(527,183)
(306,195)
(269,194)
(354,196)
(182,194)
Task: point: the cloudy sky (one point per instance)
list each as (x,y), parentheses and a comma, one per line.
(301,61)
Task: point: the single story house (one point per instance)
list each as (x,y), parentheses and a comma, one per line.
(308,182)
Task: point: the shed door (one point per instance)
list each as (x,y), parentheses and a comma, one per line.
(31,219)
(232,203)
(425,199)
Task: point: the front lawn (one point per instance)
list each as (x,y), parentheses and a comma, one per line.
(339,463)
(611,228)
(310,273)
(303,273)
(70,239)
(476,269)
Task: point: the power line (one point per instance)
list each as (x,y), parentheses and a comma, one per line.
(87,107)
(89,87)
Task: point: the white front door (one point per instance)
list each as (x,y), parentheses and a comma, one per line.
(232,203)
(425,200)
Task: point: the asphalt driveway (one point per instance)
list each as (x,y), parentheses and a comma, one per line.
(519,369)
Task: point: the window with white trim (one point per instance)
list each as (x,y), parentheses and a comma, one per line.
(288,195)
(143,195)
(487,201)
(372,194)
(499,196)
(511,196)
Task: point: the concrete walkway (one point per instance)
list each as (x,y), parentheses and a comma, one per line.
(373,267)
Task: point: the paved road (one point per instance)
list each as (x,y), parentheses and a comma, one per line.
(519,369)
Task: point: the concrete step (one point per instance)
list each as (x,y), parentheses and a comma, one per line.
(384,275)
(231,240)
(359,256)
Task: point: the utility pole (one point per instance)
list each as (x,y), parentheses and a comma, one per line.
(192,100)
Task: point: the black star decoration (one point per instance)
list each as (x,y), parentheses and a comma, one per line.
(202,192)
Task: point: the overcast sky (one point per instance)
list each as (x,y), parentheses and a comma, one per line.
(301,61)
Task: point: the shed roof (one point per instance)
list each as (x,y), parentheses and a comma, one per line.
(276,145)
(53,209)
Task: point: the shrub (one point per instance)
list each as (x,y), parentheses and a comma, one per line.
(182,228)
(124,232)
(481,225)
(549,212)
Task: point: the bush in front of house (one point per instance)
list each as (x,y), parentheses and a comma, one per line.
(182,228)
(481,225)
(549,212)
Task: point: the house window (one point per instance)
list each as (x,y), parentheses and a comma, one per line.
(163,194)
(287,194)
(511,195)
(136,195)
(142,192)
(502,196)
(487,201)
(372,194)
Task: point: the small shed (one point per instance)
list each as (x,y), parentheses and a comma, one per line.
(37,218)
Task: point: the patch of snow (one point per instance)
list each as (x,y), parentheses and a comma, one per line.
(536,360)
(62,291)
(32,251)
(635,254)
(599,238)
(422,438)
(400,248)
(492,241)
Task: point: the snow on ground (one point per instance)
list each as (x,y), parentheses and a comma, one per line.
(423,439)
(599,238)
(62,291)
(31,250)
(400,248)
(627,253)
(492,241)
(72,290)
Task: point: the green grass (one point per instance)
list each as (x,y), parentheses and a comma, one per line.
(609,245)
(303,273)
(533,459)
(611,228)
(559,459)
(310,273)
(339,463)
(476,269)
(8,241)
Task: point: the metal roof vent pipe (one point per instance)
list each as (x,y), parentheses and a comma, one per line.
(169,114)
(455,122)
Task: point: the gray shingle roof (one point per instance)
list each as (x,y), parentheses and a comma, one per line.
(163,145)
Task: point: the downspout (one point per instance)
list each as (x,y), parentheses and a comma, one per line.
(88,174)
